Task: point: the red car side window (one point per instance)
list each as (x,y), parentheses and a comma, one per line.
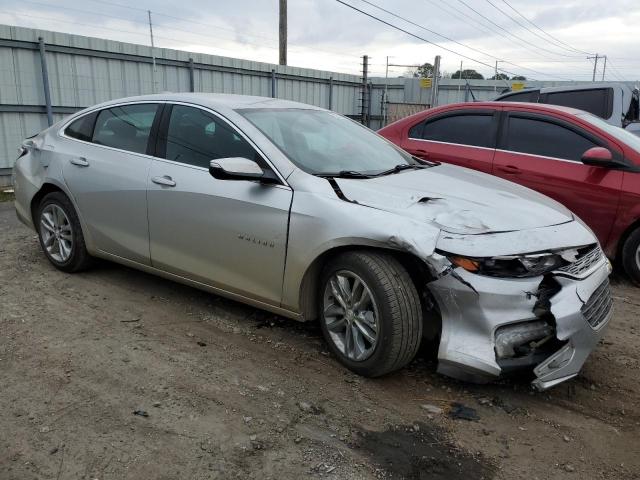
(546,139)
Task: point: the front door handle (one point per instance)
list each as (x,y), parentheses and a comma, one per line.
(510,169)
(80,162)
(421,153)
(165,181)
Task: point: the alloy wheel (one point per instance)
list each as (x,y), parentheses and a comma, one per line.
(351,315)
(56,233)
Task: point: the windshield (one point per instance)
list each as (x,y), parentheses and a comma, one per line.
(619,133)
(321,142)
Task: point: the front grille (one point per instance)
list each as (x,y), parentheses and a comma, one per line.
(597,308)
(586,259)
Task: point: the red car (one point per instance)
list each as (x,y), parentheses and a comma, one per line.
(576,158)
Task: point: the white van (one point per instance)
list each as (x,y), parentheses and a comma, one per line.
(616,103)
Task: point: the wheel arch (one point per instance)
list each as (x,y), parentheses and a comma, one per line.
(51,186)
(416,267)
(635,225)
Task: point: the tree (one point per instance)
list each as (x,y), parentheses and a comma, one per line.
(425,71)
(518,77)
(500,76)
(468,74)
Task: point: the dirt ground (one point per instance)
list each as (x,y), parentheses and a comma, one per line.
(116,374)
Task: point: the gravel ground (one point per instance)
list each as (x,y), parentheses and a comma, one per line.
(114,374)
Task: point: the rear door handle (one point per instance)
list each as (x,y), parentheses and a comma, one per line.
(80,162)
(510,169)
(165,181)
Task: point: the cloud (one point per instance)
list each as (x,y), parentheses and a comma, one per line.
(325,34)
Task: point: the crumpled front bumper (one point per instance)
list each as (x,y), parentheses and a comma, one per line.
(473,307)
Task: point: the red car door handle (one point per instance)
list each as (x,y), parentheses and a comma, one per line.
(421,153)
(509,169)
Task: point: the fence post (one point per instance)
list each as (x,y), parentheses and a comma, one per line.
(369,95)
(273,83)
(192,83)
(45,81)
(330,93)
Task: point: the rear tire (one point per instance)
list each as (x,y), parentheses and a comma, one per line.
(376,326)
(60,233)
(631,256)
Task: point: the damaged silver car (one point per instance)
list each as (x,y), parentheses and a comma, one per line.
(300,211)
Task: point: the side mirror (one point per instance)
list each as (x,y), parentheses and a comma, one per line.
(601,157)
(238,168)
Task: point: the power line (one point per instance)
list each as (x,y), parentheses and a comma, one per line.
(440,35)
(516,21)
(208,25)
(522,41)
(544,31)
(428,41)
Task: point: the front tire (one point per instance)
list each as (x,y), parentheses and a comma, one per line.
(370,312)
(631,256)
(60,233)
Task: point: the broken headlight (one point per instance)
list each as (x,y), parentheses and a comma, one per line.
(510,266)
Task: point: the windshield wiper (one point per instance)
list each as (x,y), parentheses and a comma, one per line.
(343,174)
(400,168)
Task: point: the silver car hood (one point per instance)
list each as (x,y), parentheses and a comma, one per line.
(457,200)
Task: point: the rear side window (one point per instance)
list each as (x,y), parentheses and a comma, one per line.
(82,128)
(125,127)
(476,130)
(527,96)
(547,139)
(196,137)
(598,101)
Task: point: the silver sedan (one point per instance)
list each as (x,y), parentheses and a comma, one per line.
(300,211)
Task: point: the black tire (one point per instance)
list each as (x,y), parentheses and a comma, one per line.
(398,307)
(630,258)
(79,259)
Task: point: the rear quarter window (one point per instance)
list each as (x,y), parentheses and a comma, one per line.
(598,101)
(82,128)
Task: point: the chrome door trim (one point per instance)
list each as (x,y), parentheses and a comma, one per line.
(575,162)
(449,143)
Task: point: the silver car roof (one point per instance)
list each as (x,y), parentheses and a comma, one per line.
(215,101)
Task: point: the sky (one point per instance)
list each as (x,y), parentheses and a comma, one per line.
(542,39)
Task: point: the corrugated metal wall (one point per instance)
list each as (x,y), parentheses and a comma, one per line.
(84,71)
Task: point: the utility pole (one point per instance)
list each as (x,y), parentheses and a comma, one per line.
(495,77)
(384,96)
(595,65)
(604,69)
(435,82)
(283,32)
(153,52)
(460,77)
(364,116)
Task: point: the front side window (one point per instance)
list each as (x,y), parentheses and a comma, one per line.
(196,137)
(126,127)
(476,130)
(321,142)
(547,139)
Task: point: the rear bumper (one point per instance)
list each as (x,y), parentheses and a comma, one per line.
(474,307)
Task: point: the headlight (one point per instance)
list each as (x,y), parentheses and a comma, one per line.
(510,266)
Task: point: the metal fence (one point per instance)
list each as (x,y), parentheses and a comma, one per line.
(83,71)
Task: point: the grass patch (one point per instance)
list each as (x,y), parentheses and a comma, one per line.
(7,197)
